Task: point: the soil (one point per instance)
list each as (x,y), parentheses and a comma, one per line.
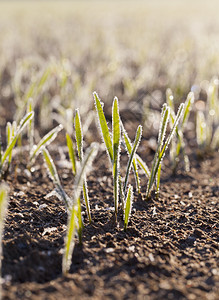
(169,250)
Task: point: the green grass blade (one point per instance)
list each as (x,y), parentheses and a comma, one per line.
(162,152)
(188,107)
(55,177)
(79,134)
(10,135)
(71,226)
(103,126)
(162,131)
(128,206)
(20,128)
(143,166)
(128,147)
(86,199)
(85,166)
(31,123)
(121,191)
(69,240)
(116,151)
(71,152)
(3,211)
(43,80)
(173,129)
(165,114)
(3,206)
(45,141)
(215,140)
(79,140)
(213,102)
(158,180)
(80,222)
(8,132)
(51,167)
(131,157)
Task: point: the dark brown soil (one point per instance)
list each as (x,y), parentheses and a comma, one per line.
(168,252)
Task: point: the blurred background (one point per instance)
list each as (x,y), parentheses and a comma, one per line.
(59,52)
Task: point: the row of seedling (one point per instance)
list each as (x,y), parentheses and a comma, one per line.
(113,139)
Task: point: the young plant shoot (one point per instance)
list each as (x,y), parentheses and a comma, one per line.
(59,191)
(79,141)
(73,221)
(3,210)
(178,143)
(112,145)
(44,142)
(128,206)
(162,146)
(128,146)
(12,139)
(207,123)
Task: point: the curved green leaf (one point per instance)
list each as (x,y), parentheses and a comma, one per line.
(103,127)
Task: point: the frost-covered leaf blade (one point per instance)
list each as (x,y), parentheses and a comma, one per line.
(116,150)
(128,146)
(69,240)
(86,199)
(71,152)
(103,126)
(51,167)
(132,154)
(128,206)
(20,128)
(46,140)
(79,134)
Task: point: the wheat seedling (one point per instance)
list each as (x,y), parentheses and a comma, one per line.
(207,128)
(79,141)
(73,215)
(177,143)
(52,171)
(3,210)
(112,144)
(44,142)
(128,206)
(12,139)
(162,146)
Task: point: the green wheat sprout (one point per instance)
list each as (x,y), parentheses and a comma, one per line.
(178,144)
(3,211)
(44,142)
(73,215)
(162,146)
(207,122)
(112,143)
(14,132)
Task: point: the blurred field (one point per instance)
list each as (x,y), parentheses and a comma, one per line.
(121,48)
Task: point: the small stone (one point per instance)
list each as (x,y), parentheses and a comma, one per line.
(151,257)
(109,250)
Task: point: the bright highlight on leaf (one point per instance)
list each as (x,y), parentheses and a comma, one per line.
(71,153)
(128,206)
(103,126)
(116,151)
